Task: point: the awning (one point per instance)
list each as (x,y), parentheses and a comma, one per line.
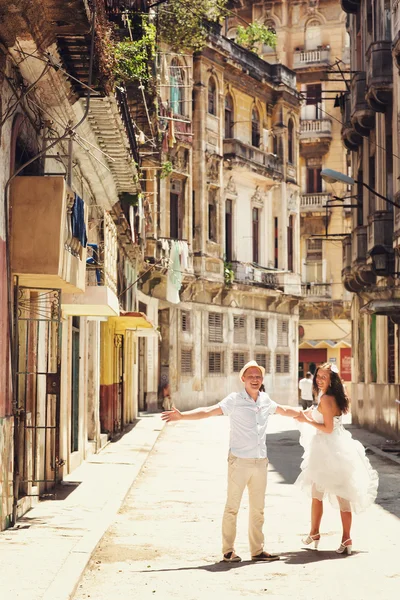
(134,321)
(317,344)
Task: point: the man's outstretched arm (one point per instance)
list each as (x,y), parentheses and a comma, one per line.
(287,411)
(192,415)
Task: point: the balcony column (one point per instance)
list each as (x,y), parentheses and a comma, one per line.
(93,391)
(199,148)
(283,257)
(380,162)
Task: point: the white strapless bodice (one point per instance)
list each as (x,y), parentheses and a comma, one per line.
(318,417)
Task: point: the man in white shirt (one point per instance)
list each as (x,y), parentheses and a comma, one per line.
(306,390)
(247,461)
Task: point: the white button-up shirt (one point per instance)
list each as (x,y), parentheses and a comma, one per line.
(249,422)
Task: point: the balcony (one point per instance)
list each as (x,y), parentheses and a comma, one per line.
(362,116)
(350,137)
(316,290)
(304,59)
(100,297)
(248,274)
(315,137)
(379,75)
(350,6)
(314,202)
(362,272)
(289,283)
(242,155)
(44,251)
(380,229)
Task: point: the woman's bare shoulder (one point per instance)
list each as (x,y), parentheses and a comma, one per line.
(328,402)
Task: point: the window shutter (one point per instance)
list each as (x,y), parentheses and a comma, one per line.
(261,327)
(186,361)
(239,330)
(215,332)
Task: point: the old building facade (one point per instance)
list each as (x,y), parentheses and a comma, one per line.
(313,41)
(231,203)
(370,268)
(72,318)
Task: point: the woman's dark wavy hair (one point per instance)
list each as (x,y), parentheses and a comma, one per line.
(335,388)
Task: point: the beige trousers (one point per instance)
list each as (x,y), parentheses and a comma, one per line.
(242,472)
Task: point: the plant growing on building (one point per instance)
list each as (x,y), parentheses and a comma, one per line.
(166,169)
(229,274)
(183,23)
(133,56)
(254,35)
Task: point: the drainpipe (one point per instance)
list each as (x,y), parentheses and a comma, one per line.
(14,351)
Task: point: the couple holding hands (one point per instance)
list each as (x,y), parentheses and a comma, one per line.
(334,465)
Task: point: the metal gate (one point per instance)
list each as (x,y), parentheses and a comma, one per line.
(36,371)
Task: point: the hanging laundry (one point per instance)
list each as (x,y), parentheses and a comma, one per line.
(174,279)
(132,222)
(78,224)
(164,72)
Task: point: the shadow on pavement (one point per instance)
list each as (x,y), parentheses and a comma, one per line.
(301,557)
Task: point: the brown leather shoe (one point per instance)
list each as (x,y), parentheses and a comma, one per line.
(231,557)
(266,557)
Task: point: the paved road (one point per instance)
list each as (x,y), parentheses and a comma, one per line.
(165,542)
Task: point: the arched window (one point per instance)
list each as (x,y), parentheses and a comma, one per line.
(228,117)
(313,37)
(212,96)
(291,142)
(255,128)
(177,89)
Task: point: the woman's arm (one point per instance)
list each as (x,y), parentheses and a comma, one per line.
(287,411)
(327,408)
(192,415)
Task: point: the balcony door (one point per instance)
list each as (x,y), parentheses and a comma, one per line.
(313,106)
(176,210)
(228,230)
(256,234)
(314,180)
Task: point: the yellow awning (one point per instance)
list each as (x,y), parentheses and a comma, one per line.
(132,321)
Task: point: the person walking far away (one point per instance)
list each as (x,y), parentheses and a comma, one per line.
(334,464)
(306,391)
(248,411)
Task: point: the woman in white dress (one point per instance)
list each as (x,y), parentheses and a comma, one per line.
(334,464)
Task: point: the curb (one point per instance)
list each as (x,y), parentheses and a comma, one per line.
(67,579)
(379,452)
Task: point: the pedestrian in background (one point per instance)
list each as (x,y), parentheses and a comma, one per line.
(306,391)
(334,464)
(248,411)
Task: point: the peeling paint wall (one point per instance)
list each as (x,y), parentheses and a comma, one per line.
(6,471)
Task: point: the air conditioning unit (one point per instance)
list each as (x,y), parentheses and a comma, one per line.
(44,250)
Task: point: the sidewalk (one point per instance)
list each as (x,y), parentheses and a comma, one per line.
(44,555)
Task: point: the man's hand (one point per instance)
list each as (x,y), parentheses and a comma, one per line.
(301,417)
(171,415)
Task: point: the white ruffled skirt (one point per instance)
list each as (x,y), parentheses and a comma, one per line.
(335,466)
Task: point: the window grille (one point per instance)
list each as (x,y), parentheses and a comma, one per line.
(261,326)
(283,333)
(215,331)
(186,361)
(215,362)
(282,363)
(239,360)
(185,321)
(264,360)
(239,330)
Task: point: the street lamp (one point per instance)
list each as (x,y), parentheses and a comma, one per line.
(382,256)
(331,176)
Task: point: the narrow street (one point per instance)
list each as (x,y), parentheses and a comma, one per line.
(165,542)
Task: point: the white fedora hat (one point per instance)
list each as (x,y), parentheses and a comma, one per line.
(251,363)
